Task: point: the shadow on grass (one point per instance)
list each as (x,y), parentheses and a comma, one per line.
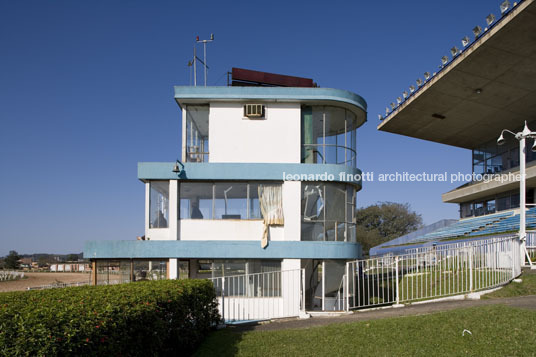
(222,342)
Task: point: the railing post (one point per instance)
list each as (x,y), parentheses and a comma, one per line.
(396,281)
(471,268)
(303,290)
(223,299)
(347,286)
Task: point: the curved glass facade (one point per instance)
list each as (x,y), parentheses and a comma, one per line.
(328,212)
(328,135)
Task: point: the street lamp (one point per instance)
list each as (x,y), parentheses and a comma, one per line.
(521,136)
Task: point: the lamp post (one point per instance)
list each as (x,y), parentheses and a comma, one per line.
(521,136)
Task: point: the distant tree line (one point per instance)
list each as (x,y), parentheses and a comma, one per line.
(12,260)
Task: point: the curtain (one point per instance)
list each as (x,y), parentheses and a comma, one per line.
(270,199)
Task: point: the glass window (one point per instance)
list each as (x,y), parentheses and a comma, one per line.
(328,212)
(254,204)
(159,204)
(479,208)
(196,200)
(503,203)
(328,135)
(230,200)
(220,200)
(490,206)
(466,210)
(197,133)
(514,201)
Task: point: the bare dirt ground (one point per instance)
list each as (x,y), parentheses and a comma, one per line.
(38,279)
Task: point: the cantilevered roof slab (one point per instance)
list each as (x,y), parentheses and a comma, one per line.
(488,87)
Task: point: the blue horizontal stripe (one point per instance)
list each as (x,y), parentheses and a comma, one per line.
(248,171)
(221,250)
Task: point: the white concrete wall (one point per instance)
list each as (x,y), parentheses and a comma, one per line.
(292,210)
(274,139)
(223,229)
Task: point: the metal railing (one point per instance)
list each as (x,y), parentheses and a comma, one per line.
(57,285)
(261,295)
(6,275)
(323,154)
(446,270)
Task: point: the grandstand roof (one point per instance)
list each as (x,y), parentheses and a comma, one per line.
(490,86)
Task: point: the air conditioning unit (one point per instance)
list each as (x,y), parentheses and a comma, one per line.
(254,111)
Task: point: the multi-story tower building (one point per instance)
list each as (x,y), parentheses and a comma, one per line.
(267,181)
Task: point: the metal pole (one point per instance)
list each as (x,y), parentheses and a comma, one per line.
(223,299)
(396,280)
(205,60)
(323,285)
(195,66)
(522,197)
(347,286)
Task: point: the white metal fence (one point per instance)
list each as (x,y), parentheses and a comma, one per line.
(260,296)
(432,272)
(6,275)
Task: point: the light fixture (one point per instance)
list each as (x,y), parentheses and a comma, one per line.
(392,105)
(505,5)
(490,18)
(500,140)
(211,37)
(454,51)
(386,111)
(444,61)
(419,82)
(477,31)
(405,94)
(380,117)
(478,90)
(412,88)
(426,75)
(176,167)
(465,41)
(399,100)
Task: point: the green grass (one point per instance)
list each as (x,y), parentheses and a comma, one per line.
(526,287)
(496,331)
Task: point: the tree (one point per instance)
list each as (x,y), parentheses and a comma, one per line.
(12,260)
(72,258)
(384,221)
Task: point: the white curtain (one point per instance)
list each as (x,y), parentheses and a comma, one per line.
(270,199)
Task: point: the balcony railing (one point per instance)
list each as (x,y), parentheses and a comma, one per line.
(329,154)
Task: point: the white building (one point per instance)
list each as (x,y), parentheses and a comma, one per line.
(265,189)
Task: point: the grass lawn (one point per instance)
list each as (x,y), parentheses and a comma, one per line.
(496,331)
(526,287)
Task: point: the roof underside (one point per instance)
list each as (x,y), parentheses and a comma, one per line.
(502,64)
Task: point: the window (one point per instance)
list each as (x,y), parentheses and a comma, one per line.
(159,204)
(328,212)
(196,200)
(220,200)
(230,200)
(196,145)
(328,135)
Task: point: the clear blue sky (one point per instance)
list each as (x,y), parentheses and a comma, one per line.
(86,92)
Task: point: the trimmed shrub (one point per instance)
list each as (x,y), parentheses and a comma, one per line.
(168,317)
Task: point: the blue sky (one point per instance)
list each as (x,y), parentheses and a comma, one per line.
(86,92)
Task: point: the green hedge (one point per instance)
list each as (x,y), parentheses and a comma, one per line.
(168,317)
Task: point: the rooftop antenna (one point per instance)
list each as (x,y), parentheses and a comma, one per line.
(204,61)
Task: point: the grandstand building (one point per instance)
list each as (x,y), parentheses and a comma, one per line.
(487,85)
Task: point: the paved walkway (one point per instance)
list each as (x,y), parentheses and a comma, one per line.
(526,302)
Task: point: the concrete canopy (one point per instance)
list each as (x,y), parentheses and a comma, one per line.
(489,87)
